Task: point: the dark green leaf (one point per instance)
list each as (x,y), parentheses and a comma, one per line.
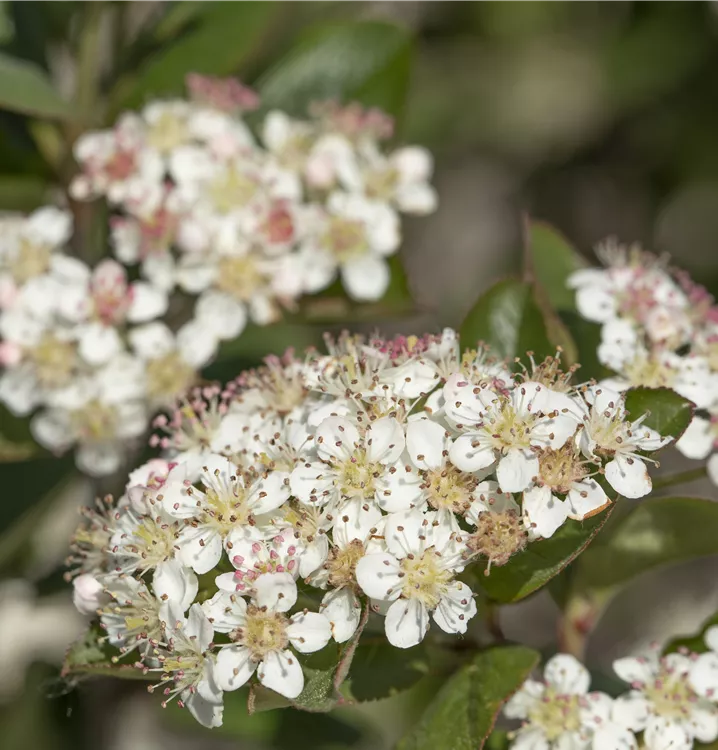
(380,670)
(463,713)
(668,413)
(226,35)
(509,320)
(25,88)
(552,260)
(541,561)
(656,533)
(367,61)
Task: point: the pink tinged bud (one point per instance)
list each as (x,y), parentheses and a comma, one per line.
(291,565)
(292,550)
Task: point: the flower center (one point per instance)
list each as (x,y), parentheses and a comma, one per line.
(239,276)
(509,429)
(278,227)
(449,488)
(95,422)
(556,714)
(225,507)
(55,361)
(29,261)
(356,476)
(649,372)
(425,578)
(232,190)
(341,564)
(498,536)
(345,238)
(137,619)
(168,376)
(381,183)
(151,542)
(121,165)
(671,695)
(304,520)
(167,133)
(560,469)
(263,632)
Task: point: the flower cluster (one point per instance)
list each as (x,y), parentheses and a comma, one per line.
(673,702)
(249,224)
(373,475)
(246,226)
(658,329)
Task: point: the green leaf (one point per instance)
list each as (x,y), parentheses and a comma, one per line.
(533,568)
(552,260)
(463,713)
(508,319)
(89,656)
(587,337)
(654,534)
(25,88)
(668,413)
(695,643)
(380,670)
(368,61)
(226,35)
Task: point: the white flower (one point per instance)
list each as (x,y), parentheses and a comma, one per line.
(703,674)
(190,670)
(222,512)
(353,235)
(560,712)
(417,574)
(88,594)
(260,638)
(352,465)
(509,429)
(607,433)
(662,702)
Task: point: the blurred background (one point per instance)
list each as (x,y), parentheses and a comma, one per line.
(601,118)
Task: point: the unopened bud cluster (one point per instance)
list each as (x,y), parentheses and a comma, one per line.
(218,225)
(377,473)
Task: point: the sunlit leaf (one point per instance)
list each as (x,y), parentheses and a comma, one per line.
(668,413)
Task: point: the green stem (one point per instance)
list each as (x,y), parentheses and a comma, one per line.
(88,61)
(682,477)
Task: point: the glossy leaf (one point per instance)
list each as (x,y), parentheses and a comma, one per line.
(26,88)
(226,34)
(367,61)
(668,413)
(552,259)
(380,670)
(658,532)
(464,711)
(509,320)
(533,568)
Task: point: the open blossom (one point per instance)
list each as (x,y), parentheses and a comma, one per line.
(559,711)
(662,703)
(417,575)
(703,674)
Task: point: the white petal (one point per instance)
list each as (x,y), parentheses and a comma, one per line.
(567,675)
(664,734)
(200,548)
(516,470)
(173,582)
(544,511)
(455,608)
(280,671)
(314,555)
(152,340)
(309,631)
(711,638)
(406,623)
(276,591)
(269,492)
(198,627)
(610,736)
(469,458)
(355,521)
(636,669)
(336,437)
(343,610)
(521,703)
(704,674)
(399,489)
(366,278)
(385,440)
(225,611)
(530,739)
(703,723)
(697,441)
(628,476)
(234,667)
(225,316)
(208,713)
(312,483)
(631,711)
(99,343)
(148,302)
(425,443)
(378,576)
